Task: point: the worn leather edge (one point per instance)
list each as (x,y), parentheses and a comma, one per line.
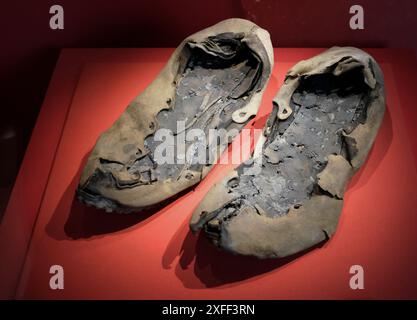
(154,99)
(316,220)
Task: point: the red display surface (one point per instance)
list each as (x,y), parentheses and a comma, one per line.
(153,255)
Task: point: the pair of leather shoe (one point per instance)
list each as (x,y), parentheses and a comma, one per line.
(288,196)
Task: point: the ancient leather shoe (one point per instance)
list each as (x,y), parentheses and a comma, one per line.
(288,197)
(214,80)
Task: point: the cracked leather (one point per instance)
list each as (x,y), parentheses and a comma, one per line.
(214,79)
(324,121)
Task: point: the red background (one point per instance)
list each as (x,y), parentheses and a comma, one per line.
(154,255)
(30,48)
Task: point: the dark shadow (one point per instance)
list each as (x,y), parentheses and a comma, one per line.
(85,222)
(75,220)
(202,265)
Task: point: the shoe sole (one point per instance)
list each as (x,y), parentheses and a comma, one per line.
(325,119)
(214,80)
